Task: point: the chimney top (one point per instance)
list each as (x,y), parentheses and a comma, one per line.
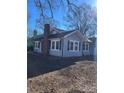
(47,25)
(46,29)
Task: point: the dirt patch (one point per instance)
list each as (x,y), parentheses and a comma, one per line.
(77,78)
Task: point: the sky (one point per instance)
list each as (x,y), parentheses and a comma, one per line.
(58,14)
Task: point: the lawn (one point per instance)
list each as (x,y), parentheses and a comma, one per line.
(77,78)
(60,76)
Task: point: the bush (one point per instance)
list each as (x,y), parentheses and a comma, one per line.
(30,48)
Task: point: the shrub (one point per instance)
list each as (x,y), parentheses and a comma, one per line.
(30,48)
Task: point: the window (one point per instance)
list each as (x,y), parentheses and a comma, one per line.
(73,45)
(55,44)
(85,46)
(76,46)
(37,44)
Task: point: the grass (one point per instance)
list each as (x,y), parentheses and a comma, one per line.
(75,78)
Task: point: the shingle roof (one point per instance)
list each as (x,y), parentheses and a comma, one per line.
(58,35)
(93,39)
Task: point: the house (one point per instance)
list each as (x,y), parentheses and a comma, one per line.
(93,47)
(62,43)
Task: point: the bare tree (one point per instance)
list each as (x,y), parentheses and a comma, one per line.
(28,29)
(78,17)
(82,18)
(45,6)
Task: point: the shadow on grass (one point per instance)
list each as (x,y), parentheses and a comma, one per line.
(38,65)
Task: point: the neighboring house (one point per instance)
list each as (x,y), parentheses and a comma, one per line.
(62,43)
(93,47)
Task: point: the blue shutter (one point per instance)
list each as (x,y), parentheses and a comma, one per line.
(60,44)
(68,44)
(79,46)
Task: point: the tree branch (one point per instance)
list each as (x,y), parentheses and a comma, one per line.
(50,8)
(39,5)
(70,3)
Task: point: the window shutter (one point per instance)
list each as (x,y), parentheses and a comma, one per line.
(89,46)
(83,45)
(79,46)
(42,45)
(68,44)
(60,44)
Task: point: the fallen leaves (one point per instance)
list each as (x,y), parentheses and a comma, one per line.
(78,78)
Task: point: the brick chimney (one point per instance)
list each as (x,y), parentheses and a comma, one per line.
(46,41)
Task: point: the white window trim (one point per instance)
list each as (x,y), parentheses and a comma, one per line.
(36,44)
(85,44)
(54,46)
(74,41)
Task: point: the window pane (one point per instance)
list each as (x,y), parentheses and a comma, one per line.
(76,45)
(83,46)
(71,45)
(57,44)
(38,44)
(53,45)
(86,46)
(60,45)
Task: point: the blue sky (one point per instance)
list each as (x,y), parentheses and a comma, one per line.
(58,14)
